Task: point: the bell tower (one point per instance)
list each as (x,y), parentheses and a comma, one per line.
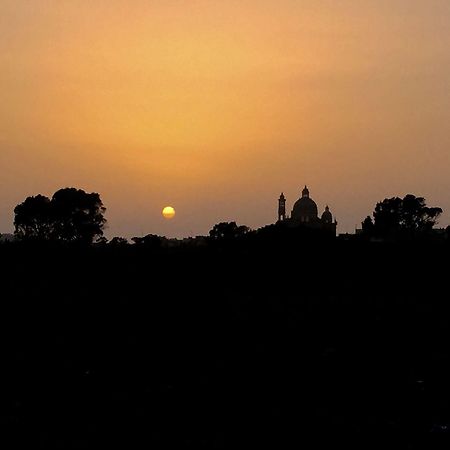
(282,207)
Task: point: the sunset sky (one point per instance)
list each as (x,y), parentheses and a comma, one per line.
(215,107)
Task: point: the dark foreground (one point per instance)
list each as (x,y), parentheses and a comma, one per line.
(226,347)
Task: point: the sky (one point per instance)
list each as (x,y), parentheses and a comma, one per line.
(214,107)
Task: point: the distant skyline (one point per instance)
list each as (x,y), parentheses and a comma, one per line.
(215,107)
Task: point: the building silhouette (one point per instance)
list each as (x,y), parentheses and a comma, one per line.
(305,213)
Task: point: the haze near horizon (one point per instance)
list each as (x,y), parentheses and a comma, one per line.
(216,107)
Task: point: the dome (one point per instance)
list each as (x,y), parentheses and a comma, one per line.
(326,216)
(305,208)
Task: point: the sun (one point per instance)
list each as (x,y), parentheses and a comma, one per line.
(168,212)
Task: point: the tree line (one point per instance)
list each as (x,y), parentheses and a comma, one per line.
(72,215)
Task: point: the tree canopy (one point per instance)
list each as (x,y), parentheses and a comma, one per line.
(72,215)
(228,230)
(408,216)
(33,218)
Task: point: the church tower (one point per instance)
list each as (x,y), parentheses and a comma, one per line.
(282,207)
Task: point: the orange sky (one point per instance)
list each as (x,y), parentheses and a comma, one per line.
(215,107)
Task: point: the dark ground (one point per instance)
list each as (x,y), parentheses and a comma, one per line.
(287,346)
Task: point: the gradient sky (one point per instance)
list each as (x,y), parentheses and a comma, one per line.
(215,107)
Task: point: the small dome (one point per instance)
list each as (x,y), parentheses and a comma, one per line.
(326,216)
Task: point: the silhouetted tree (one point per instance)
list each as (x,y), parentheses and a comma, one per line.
(118,242)
(368,226)
(150,240)
(78,216)
(228,230)
(387,215)
(71,215)
(416,216)
(34,218)
(408,216)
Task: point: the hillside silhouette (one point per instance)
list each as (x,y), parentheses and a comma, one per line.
(283,337)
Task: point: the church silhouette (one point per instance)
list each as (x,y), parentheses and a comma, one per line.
(305,213)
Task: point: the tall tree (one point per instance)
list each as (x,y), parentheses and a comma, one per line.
(71,215)
(33,218)
(78,216)
(387,215)
(410,216)
(417,216)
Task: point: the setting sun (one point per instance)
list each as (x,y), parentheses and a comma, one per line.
(168,212)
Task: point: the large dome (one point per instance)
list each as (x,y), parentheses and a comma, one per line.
(304,207)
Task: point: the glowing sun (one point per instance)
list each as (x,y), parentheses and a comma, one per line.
(168,212)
